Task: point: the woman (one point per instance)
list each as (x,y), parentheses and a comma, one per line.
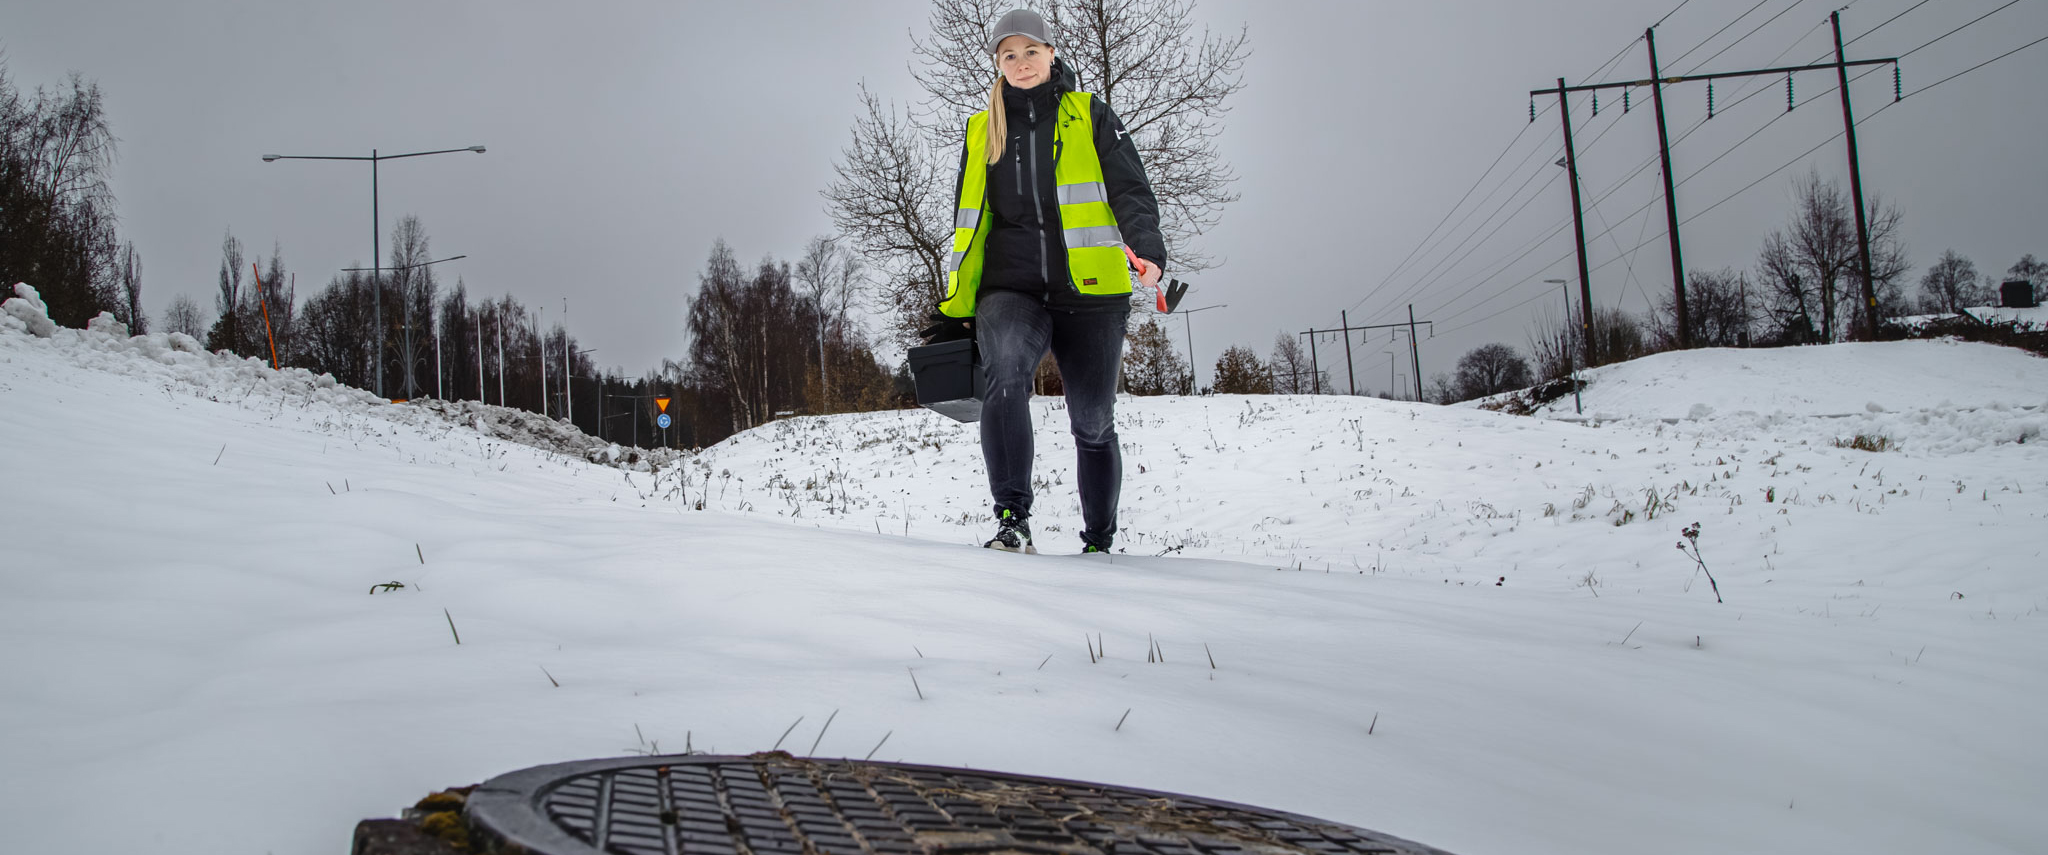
(1054,212)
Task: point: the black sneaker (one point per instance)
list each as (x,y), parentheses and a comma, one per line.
(1013,534)
(1092,549)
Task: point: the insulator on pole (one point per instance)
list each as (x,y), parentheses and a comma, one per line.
(1532,109)
(1710,99)
(1624,100)
(1898,84)
(1596,102)
(1788,92)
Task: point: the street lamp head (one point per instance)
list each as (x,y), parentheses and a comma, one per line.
(477,148)
(270,157)
(1556,281)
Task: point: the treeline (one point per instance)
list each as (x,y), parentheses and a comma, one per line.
(57,223)
(779,339)
(436,342)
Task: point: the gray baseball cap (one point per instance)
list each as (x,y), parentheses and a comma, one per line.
(1019,22)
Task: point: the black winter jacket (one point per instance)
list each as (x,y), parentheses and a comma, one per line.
(1025,250)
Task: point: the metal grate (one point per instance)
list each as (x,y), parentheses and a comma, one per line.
(775,804)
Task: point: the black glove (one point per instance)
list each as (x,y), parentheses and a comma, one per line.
(946,328)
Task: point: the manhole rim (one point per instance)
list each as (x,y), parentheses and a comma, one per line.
(518,796)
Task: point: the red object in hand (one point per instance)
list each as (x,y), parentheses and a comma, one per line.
(1148,273)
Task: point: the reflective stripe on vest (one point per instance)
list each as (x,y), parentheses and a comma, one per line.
(1095,257)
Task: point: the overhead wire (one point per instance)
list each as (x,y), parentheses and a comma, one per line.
(1402,265)
(1959,29)
(1461,200)
(1745,37)
(1745,188)
(1641,243)
(1717,34)
(1886,21)
(1438,271)
(1667,15)
(1606,232)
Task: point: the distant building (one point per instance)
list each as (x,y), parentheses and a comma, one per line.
(2017,294)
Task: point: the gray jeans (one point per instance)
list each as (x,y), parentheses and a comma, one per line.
(1014,330)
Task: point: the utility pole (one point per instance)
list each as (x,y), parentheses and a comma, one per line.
(1670,200)
(1855,184)
(1415,351)
(568,389)
(1346,332)
(1657,82)
(1571,166)
(1315,370)
(499,316)
(1350,373)
(540,360)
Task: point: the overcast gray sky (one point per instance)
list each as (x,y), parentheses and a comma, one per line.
(624,138)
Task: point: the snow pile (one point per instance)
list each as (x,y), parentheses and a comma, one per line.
(1828,380)
(1456,626)
(176,360)
(26,312)
(2034,319)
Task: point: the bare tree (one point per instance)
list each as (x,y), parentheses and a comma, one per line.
(890,202)
(228,332)
(1490,369)
(1717,309)
(748,338)
(1290,366)
(273,302)
(413,282)
(1168,84)
(56,209)
(128,280)
(1950,285)
(1616,336)
(1554,347)
(833,277)
(185,316)
(2028,269)
(1812,267)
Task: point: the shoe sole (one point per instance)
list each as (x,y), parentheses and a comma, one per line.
(1027,550)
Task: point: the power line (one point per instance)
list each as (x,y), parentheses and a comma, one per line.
(1447,214)
(1717,34)
(1959,29)
(1667,15)
(1753,31)
(1886,21)
(1399,267)
(1967,70)
(1623,255)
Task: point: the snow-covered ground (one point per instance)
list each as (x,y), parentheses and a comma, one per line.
(2035,318)
(1456,626)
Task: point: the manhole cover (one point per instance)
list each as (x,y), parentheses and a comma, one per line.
(775,804)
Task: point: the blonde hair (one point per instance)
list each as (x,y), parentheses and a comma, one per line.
(998,121)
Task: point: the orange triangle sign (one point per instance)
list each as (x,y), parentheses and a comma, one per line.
(661,404)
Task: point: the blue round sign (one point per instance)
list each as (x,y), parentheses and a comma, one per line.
(661,421)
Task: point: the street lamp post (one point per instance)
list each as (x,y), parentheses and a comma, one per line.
(1571,359)
(1189,325)
(568,388)
(409,384)
(376,299)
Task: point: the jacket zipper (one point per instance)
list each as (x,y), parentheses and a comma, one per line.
(1037,202)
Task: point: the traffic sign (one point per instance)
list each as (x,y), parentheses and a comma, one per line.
(661,405)
(662,421)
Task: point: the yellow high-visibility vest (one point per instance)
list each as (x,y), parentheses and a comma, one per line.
(1095,256)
